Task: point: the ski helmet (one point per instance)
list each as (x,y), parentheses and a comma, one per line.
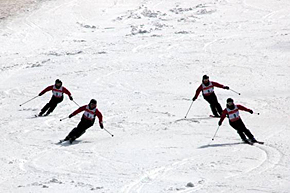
(57,81)
(205,77)
(230,100)
(93,101)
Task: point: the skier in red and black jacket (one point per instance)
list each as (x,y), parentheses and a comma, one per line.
(87,120)
(207,89)
(232,112)
(57,97)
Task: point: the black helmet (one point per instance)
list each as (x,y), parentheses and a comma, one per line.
(230,100)
(57,81)
(205,77)
(93,101)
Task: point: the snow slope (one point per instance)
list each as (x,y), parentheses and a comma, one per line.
(142,60)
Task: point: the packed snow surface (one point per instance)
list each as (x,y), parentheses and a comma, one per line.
(143,60)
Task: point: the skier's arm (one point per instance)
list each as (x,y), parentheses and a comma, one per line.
(67,92)
(224,114)
(240,107)
(198,90)
(215,84)
(45,90)
(77,111)
(100,116)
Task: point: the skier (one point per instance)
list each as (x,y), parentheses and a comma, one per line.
(57,97)
(86,122)
(232,112)
(207,88)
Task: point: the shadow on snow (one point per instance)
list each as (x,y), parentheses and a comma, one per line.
(220,145)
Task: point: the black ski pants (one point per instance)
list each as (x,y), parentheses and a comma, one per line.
(78,131)
(242,130)
(214,104)
(50,106)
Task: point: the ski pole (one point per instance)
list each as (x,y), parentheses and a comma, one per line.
(28,100)
(235,92)
(188,109)
(63,118)
(215,133)
(108,132)
(76,103)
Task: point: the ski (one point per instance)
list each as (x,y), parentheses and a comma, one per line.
(212,116)
(259,142)
(40,115)
(60,141)
(249,142)
(36,116)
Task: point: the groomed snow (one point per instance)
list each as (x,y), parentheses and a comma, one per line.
(143,60)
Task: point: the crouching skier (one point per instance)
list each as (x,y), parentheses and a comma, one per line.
(232,112)
(207,88)
(57,97)
(86,122)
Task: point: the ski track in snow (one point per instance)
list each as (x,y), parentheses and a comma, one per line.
(271,158)
(211,169)
(154,174)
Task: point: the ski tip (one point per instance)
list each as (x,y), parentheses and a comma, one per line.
(214,116)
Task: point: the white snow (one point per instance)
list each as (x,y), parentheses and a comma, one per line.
(143,60)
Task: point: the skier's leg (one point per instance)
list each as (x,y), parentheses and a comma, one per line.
(219,108)
(247,132)
(214,110)
(46,107)
(85,125)
(53,104)
(211,101)
(77,135)
(238,125)
(242,135)
(71,134)
(216,104)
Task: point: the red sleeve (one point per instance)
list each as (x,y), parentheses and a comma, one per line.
(46,89)
(223,116)
(99,115)
(240,107)
(66,91)
(198,90)
(217,85)
(79,110)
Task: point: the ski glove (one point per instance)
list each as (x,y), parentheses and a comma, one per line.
(193,99)
(251,112)
(101,125)
(70,116)
(219,123)
(70,98)
(39,94)
(226,87)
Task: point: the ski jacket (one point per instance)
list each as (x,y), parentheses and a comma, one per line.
(56,92)
(207,90)
(89,114)
(233,115)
